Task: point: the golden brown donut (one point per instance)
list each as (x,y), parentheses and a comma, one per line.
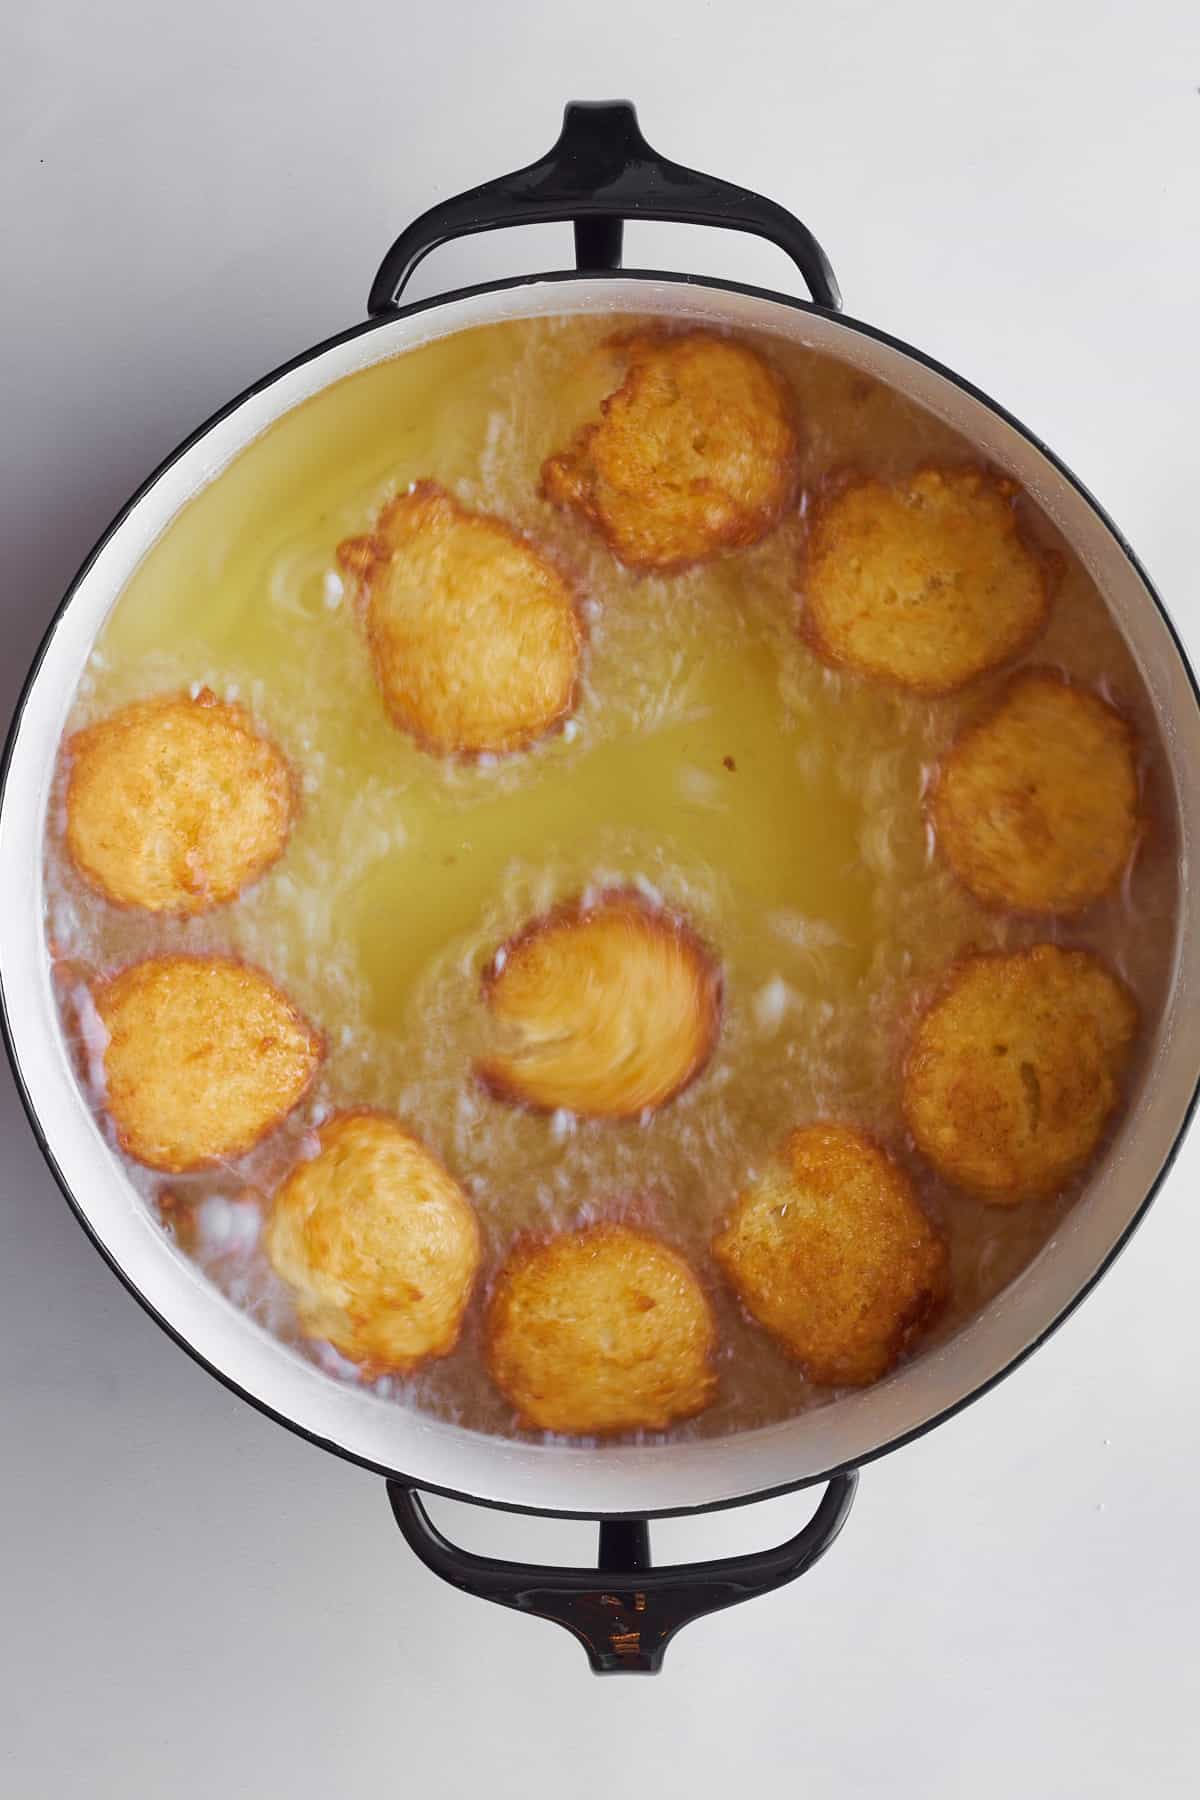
(474,631)
(1015,1070)
(377,1242)
(1036,806)
(204,1056)
(924,582)
(693,454)
(600,1330)
(175,803)
(607,1008)
(830,1252)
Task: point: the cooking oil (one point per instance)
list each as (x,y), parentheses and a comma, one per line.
(710,760)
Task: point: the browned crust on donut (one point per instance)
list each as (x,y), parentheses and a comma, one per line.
(951,832)
(578,912)
(568,478)
(859,1347)
(971,1111)
(825,498)
(357,1316)
(85,743)
(365,558)
(562,1409)
(129,1138)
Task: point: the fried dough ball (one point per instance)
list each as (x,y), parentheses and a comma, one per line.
(606,1008)
(1036,806)
(204,1056)
(829,1251)
(600,1330)
(693,454)
(377,1242)
(176,803)
(474,633)
(924,582)
(1014,1072)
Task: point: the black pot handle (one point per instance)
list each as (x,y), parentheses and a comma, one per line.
(600,173)
(626,1621)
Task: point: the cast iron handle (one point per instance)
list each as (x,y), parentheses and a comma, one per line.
(626,1621)
(600,173)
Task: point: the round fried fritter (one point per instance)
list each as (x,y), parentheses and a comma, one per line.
(1014,1072)
(204,1057)
(607,1008)
(1036,806)
(377,1242)
(925,582)
(600,1330)
(693,454)
(830,1252)
(474,633)
(176,803)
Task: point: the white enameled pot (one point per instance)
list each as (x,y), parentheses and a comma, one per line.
(637,1480)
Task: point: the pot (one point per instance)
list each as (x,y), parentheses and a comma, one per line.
(600,172)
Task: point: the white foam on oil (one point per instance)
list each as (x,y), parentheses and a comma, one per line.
(228,1227)
(771,1003)
(94,1039)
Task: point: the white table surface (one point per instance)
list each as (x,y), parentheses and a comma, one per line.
(193,1603)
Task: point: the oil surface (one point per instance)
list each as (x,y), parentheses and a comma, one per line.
(711,759)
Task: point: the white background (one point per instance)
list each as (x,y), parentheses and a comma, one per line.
(195,1604)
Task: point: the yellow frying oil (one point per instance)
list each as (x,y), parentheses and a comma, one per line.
(710,758)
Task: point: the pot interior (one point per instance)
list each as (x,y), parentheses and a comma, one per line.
(552,1476)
